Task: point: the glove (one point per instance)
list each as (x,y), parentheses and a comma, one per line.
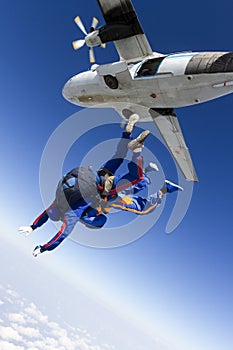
(26,230)
(37,251)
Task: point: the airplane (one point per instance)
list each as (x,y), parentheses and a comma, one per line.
(147,83)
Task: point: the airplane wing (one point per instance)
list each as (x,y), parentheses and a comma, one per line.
(132,45)
(169,128)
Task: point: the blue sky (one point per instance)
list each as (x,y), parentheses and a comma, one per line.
(173,291)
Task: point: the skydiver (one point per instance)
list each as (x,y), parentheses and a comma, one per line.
(109,184)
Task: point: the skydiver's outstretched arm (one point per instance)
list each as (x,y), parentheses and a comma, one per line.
(51,212)
(40,220)
(69,221)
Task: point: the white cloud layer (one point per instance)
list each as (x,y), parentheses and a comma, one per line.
(25,327)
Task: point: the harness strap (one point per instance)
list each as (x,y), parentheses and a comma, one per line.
(100,188)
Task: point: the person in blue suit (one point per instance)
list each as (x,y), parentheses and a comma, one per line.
(112,191)
(108,186)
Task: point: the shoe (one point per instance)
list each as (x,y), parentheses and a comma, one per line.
(151,167)
(134,118)
(137,144)
(172,187)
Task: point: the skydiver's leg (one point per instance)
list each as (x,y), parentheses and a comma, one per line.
(153,200)
(135,166)
(170,187)
(141,185)
(92,219)
(134,175)
(122,148)
(137,144)
(117,159)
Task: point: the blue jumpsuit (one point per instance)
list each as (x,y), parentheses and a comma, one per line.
(82,211)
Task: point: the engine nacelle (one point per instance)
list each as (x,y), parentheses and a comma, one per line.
(109,33)
(114,32)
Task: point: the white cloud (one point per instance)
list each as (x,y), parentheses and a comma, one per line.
(5,345)
(9,300)
(8,333)
(50,342)
(34,312)
(12,293)
(24,326)
(29,319)
(26,331)
(43,344)
(1,302)
(67,343)
(58,332)
(19,318)
(53,325)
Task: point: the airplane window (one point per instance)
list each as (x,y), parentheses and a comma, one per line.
(150,67)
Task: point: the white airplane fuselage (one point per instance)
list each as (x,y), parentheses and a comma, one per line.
(158,81)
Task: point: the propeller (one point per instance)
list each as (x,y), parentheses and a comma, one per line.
(77,44)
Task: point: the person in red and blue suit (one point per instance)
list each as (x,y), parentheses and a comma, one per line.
(108,185)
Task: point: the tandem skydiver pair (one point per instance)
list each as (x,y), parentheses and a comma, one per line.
(86,196)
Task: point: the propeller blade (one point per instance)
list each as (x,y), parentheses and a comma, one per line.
(80,24)
(94,23)
(78,44)
(91,55)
